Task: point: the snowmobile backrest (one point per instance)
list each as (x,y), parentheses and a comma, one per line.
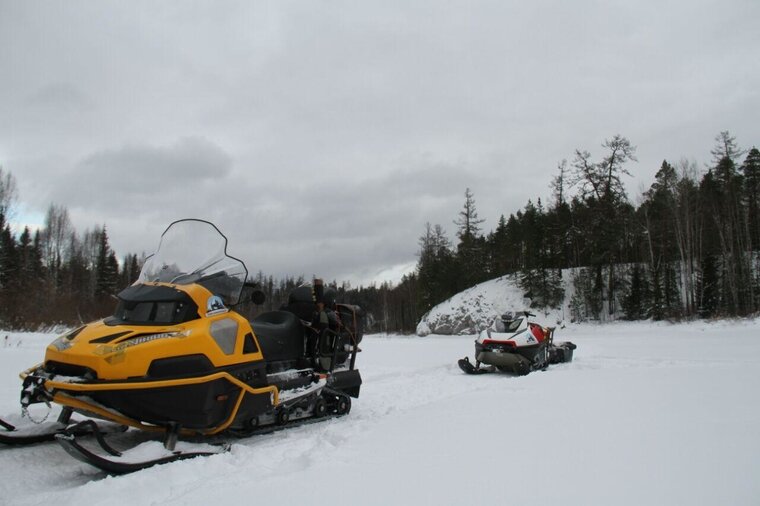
(352,319)
(302,304)
(280,335)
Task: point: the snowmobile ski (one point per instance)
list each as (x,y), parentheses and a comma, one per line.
(32,433)
(142,456)
(466,366)
(113,461)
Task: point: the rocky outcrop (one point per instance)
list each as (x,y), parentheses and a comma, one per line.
(473,309)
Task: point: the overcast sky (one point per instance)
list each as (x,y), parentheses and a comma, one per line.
(321,136)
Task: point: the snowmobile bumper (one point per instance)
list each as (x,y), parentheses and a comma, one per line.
(561,352)
(505,361)
(348,381)
(202,405)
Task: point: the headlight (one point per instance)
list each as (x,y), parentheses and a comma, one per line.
(62,343)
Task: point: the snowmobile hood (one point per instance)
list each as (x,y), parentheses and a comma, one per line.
(178,309)
(526,334)
(127,346)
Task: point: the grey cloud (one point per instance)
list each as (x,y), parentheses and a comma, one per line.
(322,136)
(341,228)
(60,96)
(120,175)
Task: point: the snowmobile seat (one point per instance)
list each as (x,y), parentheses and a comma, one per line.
(301,302)
(280,335)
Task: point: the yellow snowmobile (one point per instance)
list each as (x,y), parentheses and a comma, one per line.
(175,359)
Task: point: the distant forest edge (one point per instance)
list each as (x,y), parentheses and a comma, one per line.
(688,249)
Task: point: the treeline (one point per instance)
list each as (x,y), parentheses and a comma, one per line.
(688,248)
(387,307)
(55,275)
(59,276)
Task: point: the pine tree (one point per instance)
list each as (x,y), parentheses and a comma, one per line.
(543,287)
(106,268)
(605,197)
(498,248)
(751,172)
(471,250)
(708,289)
(586,302)
(435,268)
(657,217)
(636,301)
(9,275)
(687,230)
(732,231)
(9,261)
(468,223)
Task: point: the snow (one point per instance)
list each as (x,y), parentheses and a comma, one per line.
(475,308)
(153,450)
(647,413)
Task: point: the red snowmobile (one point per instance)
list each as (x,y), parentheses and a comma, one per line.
(516,345)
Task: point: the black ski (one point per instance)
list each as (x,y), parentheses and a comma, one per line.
(32,433)
(113,461)
(114,465)
(466,366)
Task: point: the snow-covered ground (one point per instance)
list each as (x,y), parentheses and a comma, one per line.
(645,414)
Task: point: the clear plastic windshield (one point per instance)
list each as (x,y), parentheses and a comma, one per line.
(195,251)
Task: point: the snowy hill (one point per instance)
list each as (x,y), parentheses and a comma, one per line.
(469,311)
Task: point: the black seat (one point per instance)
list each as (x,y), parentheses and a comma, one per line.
(280,335)
(301,302)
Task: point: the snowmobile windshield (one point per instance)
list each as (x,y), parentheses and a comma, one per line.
(195,251)
(514,325)
(509,325)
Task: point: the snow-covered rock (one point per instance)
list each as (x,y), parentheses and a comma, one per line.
(475,308)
